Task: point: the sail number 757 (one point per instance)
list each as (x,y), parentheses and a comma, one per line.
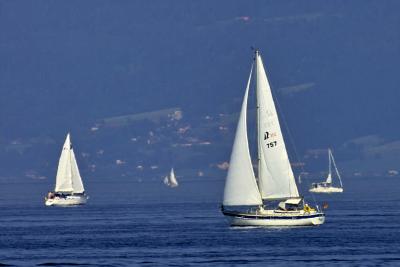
(272,144)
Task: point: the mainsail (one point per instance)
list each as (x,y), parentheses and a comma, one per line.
(240,185)
(275,175)
(68,179)
(172,179)
(329,178)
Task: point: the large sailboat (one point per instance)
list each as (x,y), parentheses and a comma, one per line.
(69,188)
(170,180)
(327,186)
(273,198)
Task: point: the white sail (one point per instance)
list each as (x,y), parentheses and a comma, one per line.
(68,179)
(275,177)
(166,180)
(329,178)
(64,171)
(172,179)
(77,184)
(240,186)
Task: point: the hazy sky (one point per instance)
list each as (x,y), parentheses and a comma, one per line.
(333,67)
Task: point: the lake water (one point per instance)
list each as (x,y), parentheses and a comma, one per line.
(146,224)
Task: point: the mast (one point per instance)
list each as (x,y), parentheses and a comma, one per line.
(258,128)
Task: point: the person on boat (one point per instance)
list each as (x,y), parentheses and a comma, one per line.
(306,207)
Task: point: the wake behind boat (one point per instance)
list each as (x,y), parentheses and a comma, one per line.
(243,202)
(69,188)
(327,186)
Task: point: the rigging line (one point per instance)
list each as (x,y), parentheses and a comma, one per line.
(336,169)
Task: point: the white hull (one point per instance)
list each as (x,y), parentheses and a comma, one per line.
(278,219)
(171,185)
(326,190)
(67,201)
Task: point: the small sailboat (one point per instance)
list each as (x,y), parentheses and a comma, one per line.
(69,188)
(272,199)
(170,180)
(327,186)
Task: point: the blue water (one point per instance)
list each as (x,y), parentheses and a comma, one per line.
(182,228)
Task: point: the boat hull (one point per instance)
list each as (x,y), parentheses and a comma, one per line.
(241,219)
(67,201)
(326,190)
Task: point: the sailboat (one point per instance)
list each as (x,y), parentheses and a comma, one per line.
(170,180)
(327,186)
(272,199)
(69,188)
